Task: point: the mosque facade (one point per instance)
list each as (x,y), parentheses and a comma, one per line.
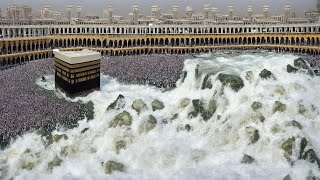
(28,36)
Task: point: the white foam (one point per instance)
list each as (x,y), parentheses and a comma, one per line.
(211,150)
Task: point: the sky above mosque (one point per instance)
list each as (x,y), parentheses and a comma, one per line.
(123,7)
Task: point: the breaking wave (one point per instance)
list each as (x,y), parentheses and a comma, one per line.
(209,127)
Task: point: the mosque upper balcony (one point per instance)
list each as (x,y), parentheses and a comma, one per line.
(316,24)
(136,30)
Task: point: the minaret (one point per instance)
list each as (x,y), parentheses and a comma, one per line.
(69,10)
(105,12)
(189,11)
(214,13)
(230,12)
(17,13)
(79,11)
(250,10)
(287,13)
(110,14)
(135,12)
(250,13)
(46,10)
(318,6)
(206,11)
(175,12)
(156,12)
(266,9)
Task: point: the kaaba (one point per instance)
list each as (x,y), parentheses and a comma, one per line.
(77,73)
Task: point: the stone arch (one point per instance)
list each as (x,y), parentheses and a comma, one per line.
(139,43)
(161,42)
(197,41)
(76,42)
(286,42)
(302,41)
(72,42)
(111,43)
(120,44)
(166,42)
(280,41)
(297,40)
(84,42)
(177,42)
(172,42)
(156,41)
(253,40)
(126,43)
(182,41)
(292,41)
(99,44)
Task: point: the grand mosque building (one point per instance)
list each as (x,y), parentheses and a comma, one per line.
(27,35)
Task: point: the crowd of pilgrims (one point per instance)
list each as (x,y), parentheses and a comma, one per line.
(313,60)
(156,70)
(25,106)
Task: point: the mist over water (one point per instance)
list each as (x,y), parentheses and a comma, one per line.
(211,149)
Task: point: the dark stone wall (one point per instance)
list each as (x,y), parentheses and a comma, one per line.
(81,88)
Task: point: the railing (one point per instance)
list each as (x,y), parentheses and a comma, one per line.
(159,26)
(123,30)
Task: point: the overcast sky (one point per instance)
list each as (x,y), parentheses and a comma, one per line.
(122,7)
